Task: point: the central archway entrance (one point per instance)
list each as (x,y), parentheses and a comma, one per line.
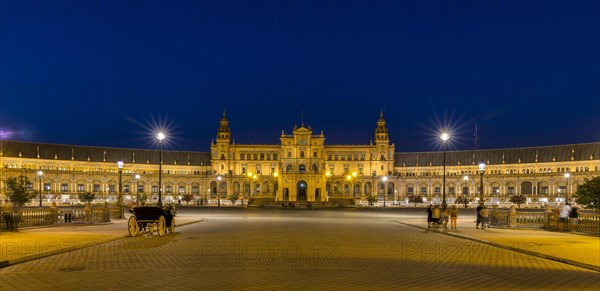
(301,190)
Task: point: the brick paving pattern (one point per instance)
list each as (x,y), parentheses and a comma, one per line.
(289,250)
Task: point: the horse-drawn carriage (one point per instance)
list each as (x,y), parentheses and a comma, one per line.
(152,218)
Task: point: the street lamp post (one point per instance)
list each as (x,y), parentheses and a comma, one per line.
(327,179)
(481,172)
(120,198)
(567,176)
(218,191)
(444,138)
(275,184)
(384,189)
(40,173)
(137,189)
(352,178)
(466,178)
(160,136)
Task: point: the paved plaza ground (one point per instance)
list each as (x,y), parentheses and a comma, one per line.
(299,249)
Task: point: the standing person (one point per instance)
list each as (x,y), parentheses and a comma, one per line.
(445,216)
(478,210)
(7,210)
(485,214)
(453,217)
(573,218)
(437,214)
(563,215)
(429,216)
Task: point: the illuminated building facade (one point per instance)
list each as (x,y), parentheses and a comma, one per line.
(302,167)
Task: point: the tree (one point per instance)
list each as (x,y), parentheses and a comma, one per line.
(86,197)
(518,199)
(233,198)
(187,198)
(462,200)
(415,199)
(588,193)
(18,190)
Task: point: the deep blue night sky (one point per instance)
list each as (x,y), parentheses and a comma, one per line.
(105,73)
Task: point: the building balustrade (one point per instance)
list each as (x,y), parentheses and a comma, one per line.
(25,216)
(588,221)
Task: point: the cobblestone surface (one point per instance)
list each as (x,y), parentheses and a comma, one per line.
(295,250)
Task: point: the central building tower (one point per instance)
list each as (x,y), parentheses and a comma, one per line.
(302,161)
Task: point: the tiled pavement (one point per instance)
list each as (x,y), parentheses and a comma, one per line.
(574,248)
(295,250)
(36,242)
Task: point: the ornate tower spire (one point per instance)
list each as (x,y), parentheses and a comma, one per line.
(381,133)
(223,133)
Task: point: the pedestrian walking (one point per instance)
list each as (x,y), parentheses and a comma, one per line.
(478,210)
(453,216)
(563,216)
(573,218)
(429,215)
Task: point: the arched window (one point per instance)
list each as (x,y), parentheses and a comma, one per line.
(255,156)
(288,168)
(268,157)
(289,154)
(262,156)
(242,156)
(274,157)
(302,168)
(302,154)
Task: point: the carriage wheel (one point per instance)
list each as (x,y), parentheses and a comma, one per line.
(132,225)
(162,226)
(172,227)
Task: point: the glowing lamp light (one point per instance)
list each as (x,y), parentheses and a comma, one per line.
(137,176)
(567,175)
(384,178)
(160,136)
(481,166)
(445,136)
(120,164)
(40,173)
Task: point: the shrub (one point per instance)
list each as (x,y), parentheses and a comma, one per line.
(86,197)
